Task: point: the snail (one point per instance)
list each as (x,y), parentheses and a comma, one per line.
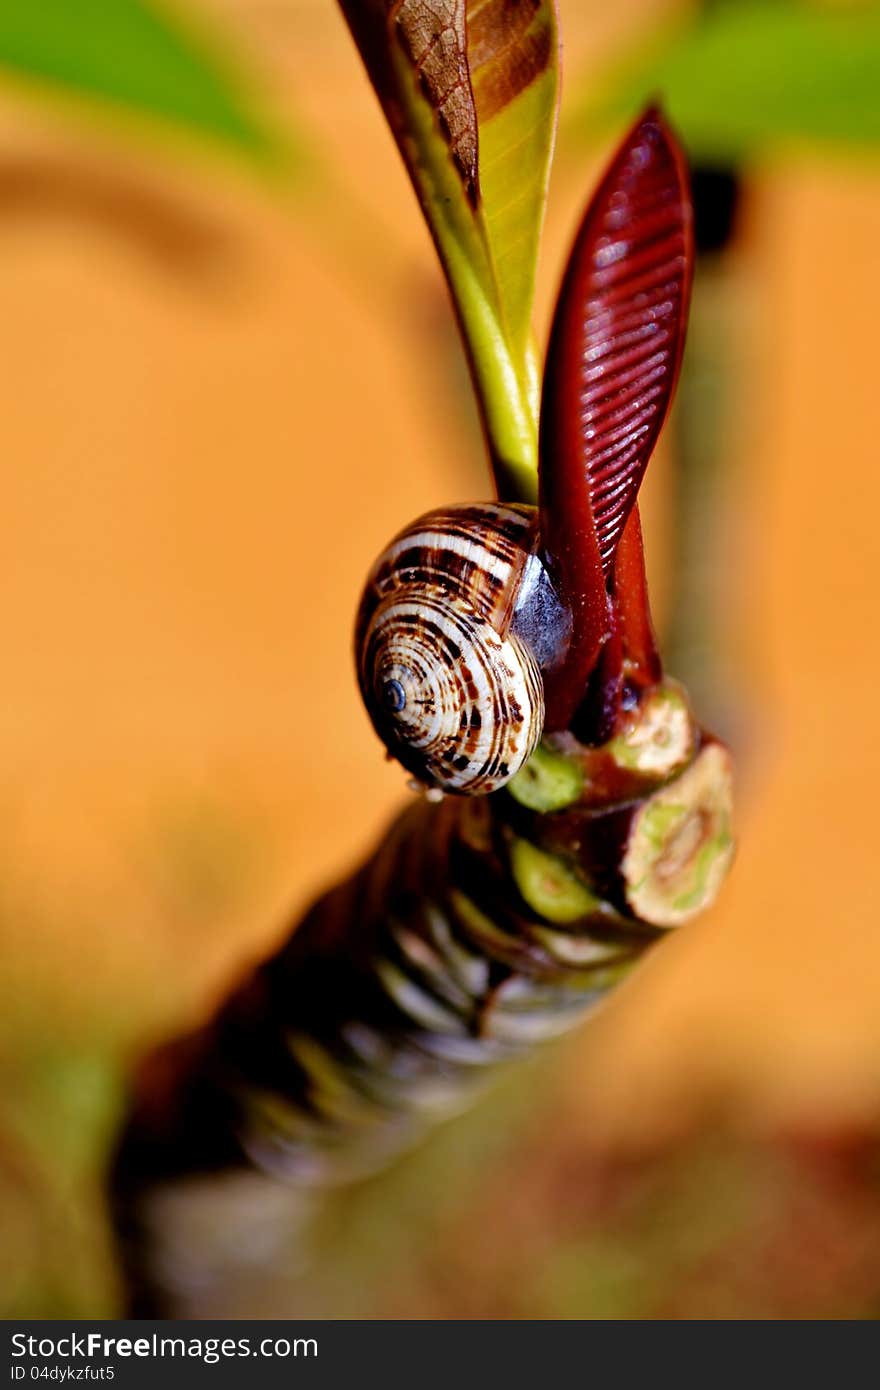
(484,626)
(458,619)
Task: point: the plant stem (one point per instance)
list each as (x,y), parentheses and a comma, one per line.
(478,928)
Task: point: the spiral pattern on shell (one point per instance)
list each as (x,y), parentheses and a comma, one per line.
(456,695)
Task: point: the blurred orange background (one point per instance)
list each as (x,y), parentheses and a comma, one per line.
(217,401)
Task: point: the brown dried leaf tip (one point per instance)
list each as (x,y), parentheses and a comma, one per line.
(510,44)
(433,34)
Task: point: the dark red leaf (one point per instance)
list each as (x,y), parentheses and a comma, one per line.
(612,364)
(638,642)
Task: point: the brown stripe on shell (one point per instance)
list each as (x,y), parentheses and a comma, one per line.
(507,533)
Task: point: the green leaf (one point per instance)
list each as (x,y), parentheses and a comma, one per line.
(137,55)
(469,88)
(749,76)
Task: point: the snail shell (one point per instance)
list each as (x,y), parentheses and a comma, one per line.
(449,645)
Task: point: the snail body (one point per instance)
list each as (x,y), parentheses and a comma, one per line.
(458,620)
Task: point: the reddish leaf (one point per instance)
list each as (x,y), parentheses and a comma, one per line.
(638,642)
(612,363)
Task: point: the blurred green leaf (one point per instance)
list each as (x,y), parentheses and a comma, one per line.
(469,89)
(137,55)
(747,76)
